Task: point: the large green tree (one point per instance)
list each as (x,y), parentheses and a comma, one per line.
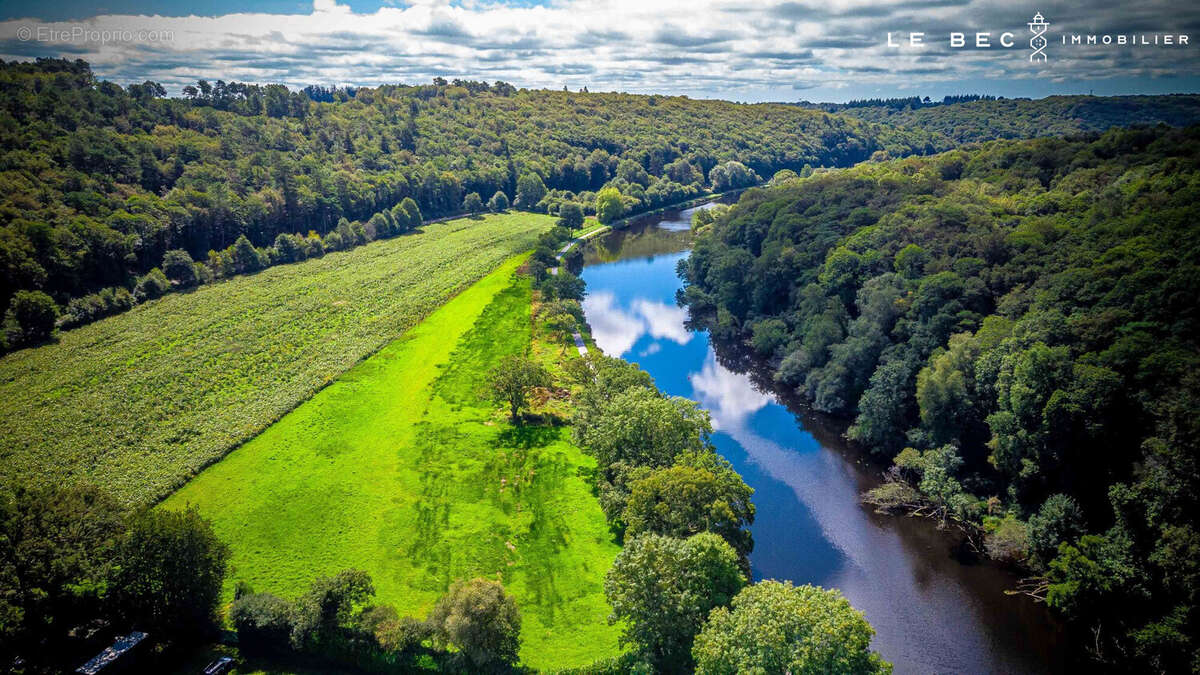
(530,191)
(481,620)
(661,589)
(700,492)
(56,553)
(570,215)
(168,574)
(513,379)
(774,627)
(608,205)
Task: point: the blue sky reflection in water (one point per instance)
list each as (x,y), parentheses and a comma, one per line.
(932,614)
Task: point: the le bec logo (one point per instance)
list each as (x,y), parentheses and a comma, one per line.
(984,40)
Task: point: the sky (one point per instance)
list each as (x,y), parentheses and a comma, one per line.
(744,50)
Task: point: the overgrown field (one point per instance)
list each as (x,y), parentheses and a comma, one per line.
(140,402)
(403,469)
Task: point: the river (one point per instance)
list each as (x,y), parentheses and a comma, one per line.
(932,612)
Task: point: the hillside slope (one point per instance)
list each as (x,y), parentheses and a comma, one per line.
(140,402)
(1016,326)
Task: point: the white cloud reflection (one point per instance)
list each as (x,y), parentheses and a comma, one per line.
(730,397)
(616,330)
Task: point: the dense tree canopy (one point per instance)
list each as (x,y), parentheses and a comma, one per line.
(170,567)
(100,181)
(700,492)
(56,553)
(972,118)
(1016,325)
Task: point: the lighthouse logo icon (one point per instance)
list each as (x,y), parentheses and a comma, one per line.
(1038,42)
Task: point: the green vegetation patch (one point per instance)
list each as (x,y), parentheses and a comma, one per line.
(140,402)
(403,469)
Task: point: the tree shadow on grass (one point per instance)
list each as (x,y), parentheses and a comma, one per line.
(527,437)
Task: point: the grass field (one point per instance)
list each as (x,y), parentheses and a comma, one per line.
(402,469)
(140,402)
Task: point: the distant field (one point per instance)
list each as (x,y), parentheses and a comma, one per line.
(140,402)
(401,469)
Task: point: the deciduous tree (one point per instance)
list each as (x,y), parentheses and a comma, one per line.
(513,379)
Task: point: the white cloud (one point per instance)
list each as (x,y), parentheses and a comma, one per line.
(707,47)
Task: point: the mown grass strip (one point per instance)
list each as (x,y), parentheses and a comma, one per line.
(403,469)
(140,402)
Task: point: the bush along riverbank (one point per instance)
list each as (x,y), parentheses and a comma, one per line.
(681,587)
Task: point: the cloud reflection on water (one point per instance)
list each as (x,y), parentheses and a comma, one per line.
(811,526)
(616,330)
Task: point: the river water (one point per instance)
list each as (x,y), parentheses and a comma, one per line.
(932,612)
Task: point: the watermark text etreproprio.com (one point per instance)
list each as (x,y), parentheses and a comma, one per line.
(81,34)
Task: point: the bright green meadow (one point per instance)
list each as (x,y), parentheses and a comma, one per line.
(403,469)
(140,402)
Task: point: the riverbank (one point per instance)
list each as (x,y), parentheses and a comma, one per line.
(932,613)
(678,206)
(404,469)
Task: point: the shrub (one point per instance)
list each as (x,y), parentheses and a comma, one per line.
(1007,540)
(498,203)
(333,242)
(570,215)
(263,622)
(481,620)
(402,635)
(328,606)
(154,285)
(289,248)
(179,267)
(96,306)
(313,246)
(472,203)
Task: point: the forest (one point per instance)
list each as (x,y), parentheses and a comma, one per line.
(964,119)
(99,182)
(111,195)
(1014,327)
